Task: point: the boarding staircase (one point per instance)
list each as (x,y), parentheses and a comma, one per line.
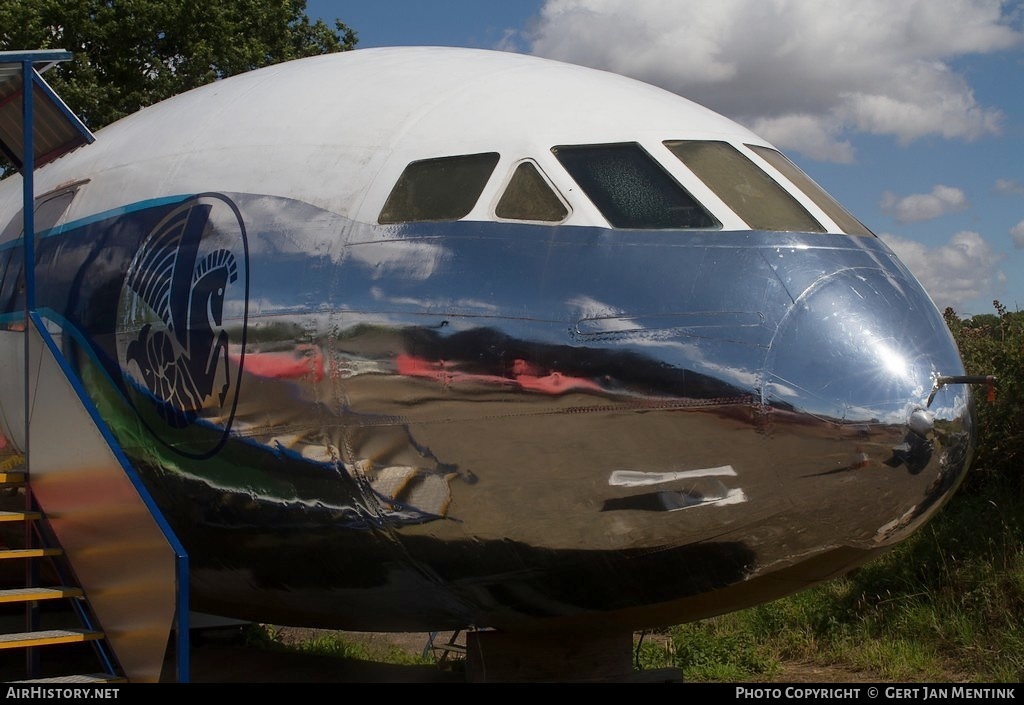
(47,617)
(77,524)
(94,548)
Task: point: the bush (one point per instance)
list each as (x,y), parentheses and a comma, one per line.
(993,344)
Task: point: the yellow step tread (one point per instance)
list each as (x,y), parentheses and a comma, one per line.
(47,637)
(12,478)
(19,516)
(29,552)
(11,463)
(38,593)
(80,678)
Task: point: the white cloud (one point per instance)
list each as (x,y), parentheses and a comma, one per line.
(818,138)
(830,66)
(923,206)
(955,274)
(1017,233)
(1009,187)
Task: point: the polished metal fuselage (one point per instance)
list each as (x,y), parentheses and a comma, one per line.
(437,425)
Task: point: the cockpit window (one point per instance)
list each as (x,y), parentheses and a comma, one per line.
(446,188)
(51,208)
(47,214)
(753,195)
(816,193)
(528,196)
(631,189)
(48,211)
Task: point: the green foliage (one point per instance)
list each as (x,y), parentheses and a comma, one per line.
(334,644)
(722,649)
(128,54)
(263,636)
(993,344)
(339,647)
(653,651)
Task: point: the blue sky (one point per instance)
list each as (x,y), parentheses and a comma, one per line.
(909,113)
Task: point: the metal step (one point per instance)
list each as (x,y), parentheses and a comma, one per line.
(29,552)
(47,637)
(40,593)
(13,463)
(19,516)
(83,678)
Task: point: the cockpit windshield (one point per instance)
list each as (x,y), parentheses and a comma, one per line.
(631,189)
(751,194)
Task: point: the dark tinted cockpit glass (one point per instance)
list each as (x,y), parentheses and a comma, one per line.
(816,193)
(446,188)
(631,189)
(753,195)
(529,197)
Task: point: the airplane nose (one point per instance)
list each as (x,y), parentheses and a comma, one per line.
(857,362)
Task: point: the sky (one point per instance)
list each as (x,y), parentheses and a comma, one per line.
(909,112)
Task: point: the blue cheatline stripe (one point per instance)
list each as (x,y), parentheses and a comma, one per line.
(113,213)
(181,556)
(89,220)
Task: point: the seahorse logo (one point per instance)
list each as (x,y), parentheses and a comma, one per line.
(184,306)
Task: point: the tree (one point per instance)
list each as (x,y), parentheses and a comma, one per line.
(128,54)
(994,345)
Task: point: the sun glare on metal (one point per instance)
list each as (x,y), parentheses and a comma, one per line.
(892,361)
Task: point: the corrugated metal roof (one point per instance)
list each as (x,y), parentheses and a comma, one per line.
(55,129)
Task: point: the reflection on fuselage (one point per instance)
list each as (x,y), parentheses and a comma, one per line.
(658,424)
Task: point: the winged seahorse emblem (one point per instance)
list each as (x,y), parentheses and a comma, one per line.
(179,362)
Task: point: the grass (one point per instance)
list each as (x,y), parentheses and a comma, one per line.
(334,644)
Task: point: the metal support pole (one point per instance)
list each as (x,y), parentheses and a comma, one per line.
(28,261)
(183,647)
